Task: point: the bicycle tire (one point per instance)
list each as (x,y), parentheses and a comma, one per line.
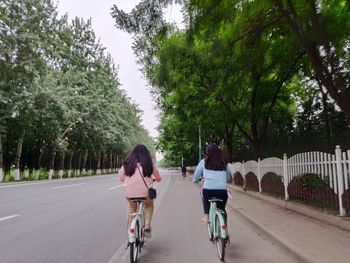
(219,241)
(134,246)
(133,252)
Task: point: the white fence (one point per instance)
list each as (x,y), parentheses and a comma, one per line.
(332,168)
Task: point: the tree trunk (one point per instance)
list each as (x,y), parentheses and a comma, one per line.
(325,114)
(114,163)
(78,165)
(98,165)
(18,156)
(61,165)
(83,165)
(110,161)
(104,162)
(37,162)
(229,143)
(329,73)
(256,150)
(52,164)
(1,162)
(69,166)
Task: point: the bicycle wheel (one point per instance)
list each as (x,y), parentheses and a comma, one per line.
(134,246)
(219,241)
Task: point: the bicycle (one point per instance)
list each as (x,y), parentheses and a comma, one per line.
(217,228)
(136,233)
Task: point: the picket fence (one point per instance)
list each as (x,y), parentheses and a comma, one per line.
(332,168)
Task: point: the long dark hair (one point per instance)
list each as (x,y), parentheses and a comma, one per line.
(140,154)
(214,158)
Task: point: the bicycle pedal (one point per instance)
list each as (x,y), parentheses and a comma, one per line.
(127,246)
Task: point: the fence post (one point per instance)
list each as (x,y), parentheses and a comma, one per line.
(243,175)
(285,176)
(259,176)
(340,180)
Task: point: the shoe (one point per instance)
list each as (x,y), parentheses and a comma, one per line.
(228,240)
(148,233)
(205,220)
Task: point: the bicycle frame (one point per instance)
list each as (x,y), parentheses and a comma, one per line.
(137,218)
(214,213)
(217,228)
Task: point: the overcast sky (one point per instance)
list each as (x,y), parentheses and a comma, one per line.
(118,44)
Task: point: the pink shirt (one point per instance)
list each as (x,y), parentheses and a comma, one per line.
(134,185)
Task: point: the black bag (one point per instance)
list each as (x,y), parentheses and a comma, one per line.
(152,193)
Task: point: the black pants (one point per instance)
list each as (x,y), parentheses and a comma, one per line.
(221,194)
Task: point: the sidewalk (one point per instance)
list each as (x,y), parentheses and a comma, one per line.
(306,239)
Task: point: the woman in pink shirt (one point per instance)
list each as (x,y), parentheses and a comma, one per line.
(137,164)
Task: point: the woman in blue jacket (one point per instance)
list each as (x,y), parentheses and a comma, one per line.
(213,169)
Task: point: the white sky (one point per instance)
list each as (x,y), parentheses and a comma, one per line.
(118,44)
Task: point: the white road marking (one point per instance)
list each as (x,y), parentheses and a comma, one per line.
(7,217)
(66,186)
(115,187)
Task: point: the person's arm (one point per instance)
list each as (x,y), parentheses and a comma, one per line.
(121,174)
(198,172)
(156,174)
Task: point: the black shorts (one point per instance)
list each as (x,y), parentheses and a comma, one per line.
(210,193)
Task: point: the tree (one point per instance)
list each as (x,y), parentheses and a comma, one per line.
(322,27)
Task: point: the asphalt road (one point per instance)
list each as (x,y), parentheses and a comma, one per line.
(83,221)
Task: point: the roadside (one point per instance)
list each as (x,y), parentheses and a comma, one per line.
(309,211)
(55,180)
(304,238)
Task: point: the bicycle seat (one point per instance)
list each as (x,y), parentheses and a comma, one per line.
(215,199)
(137,199)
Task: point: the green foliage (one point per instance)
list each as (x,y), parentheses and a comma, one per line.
(245,72)
(43,174)
(59,90)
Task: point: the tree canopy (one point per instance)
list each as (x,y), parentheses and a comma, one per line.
(61,103)
(259,77)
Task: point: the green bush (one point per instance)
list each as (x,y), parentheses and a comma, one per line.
(9,177)
(43,174)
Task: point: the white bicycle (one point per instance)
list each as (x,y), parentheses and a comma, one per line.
(136,233)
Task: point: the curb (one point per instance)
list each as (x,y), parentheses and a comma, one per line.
(53,180)
(336,221)
(282,243)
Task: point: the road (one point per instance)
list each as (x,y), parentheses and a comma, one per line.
(83,220)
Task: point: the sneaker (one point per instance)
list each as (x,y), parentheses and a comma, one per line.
(148,233)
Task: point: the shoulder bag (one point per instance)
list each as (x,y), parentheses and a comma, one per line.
(151,191)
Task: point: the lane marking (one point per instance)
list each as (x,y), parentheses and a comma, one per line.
(115,187)
(7,217)
(67,186)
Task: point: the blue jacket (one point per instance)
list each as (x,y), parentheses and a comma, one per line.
(212,179)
